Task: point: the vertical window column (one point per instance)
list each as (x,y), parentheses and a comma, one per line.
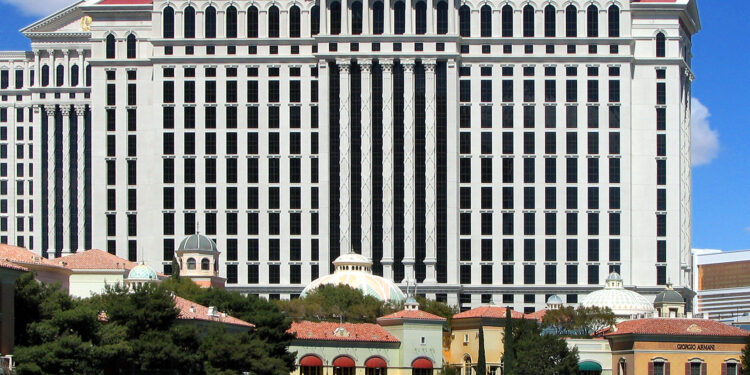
(81,176)
(365,67)
(430,172)
(387,68)
(51,196)
(345,244)
(409,167)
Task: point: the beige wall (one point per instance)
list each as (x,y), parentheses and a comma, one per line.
(460,347)
(85,285)
(590,350)
(642,353)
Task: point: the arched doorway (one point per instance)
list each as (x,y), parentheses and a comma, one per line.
(310,365)
(421,366)
(376,366)
(589,368)
(466,368)
(343,366)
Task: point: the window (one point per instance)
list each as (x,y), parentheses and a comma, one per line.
(252,22)
(421,18)
(661,45)
(592,21)
(661,279)
(210,22)
(335,17)
(593,274)
(231,15)
(613,15)
(464,16)
(507,21)
(549,21)
(356,18)
(273,22)
(110,47)
(131,46)
(295,28)
(486,21)
(189,22)
(528,21)
(168,23)
(442,17)
(571,21)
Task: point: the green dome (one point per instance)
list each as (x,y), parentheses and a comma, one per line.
(669,296)
(197,242)
(142,272)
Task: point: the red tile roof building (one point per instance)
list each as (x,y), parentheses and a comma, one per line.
(410,315)
(45,270)
(94,260)
(327,331)
(192,311)
(677,327)
(488,312)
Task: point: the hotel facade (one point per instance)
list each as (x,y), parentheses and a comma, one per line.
(491,150)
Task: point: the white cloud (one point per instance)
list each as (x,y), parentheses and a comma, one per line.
(747,229)
(40,8)
(705,141)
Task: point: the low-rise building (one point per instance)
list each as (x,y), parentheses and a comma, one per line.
(44,269)
(93,270)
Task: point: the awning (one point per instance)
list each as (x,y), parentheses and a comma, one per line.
(375,362)
(310,361)
(589,366)
(343,361)
(422,363)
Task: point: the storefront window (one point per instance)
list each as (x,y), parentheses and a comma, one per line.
(659,368)
(695,369)
(732,369)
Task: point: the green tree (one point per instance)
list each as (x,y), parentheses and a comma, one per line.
(440,309)
(337,302)
(482,360)
(509,351)
(746,358)
(580,322)
(538,354)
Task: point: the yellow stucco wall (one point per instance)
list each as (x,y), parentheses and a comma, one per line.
(677,354)
(460,347)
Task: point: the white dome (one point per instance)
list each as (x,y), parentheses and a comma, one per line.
(624,303)
(355,271)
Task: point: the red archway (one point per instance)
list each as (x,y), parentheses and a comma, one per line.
(421,366)
(343,365)
(376,366)
(311,365)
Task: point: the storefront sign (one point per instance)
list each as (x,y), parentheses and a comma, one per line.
(698,347)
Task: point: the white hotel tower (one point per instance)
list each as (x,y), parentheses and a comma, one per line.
(495,150)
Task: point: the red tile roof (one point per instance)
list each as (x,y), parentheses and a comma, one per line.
(412,314)
(488,312)
(23,257)
(125,2)
(11,266)
(677,326)
(94,260)
(537,315)
(325,331)
(190,310)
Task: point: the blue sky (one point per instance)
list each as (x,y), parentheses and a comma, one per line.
(721,114)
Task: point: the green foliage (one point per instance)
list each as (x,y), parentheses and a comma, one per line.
(746,358)
(440,309)
(580,322)
(334,302)
(482,360)
(538,354)
(509,353)
(137,331)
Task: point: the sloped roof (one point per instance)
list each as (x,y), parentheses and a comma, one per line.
(94,260)
(325,331)
(23,257)
(677,326)
(11,266)
(412,314)
(488,312)
(537,315)
(189,310)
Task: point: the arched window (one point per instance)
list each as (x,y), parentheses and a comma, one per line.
(131,46)
(191,263)
(507,21)
(613,14)
(45,75)
(592,21)
(189,22)
(571,21)
(356,18)
(442,18)
(421,21)
(661,45)
(110,46)
(399,15)
(60,76)
(295,30)
(485,22)
(464,20)
(335,18)
(88,75)
(252,22)
(528,21)
(273,22)
(210,15)
(378,19)
(550,21)
(231,22)
(205,264)
(315,20)
(74,75)
(168,23)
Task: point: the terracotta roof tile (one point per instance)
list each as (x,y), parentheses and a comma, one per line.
(325,331)
(94,260)
(190,310)
(11,266)
(537,315)
(677,326)
(488,312)
(412,314)
(23,257)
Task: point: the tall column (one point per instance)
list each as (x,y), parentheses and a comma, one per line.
(452,17)
(323,6)
(66,75)
(81,69)
(344,17)
(52,70)
(366,18)
(81,177)
(386,65)
(409,17)
(430,171)
(345,241)
(365,66)
(37,69)
(409,169)
(430,22)
(387,28)
(51,197)
(65,201)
